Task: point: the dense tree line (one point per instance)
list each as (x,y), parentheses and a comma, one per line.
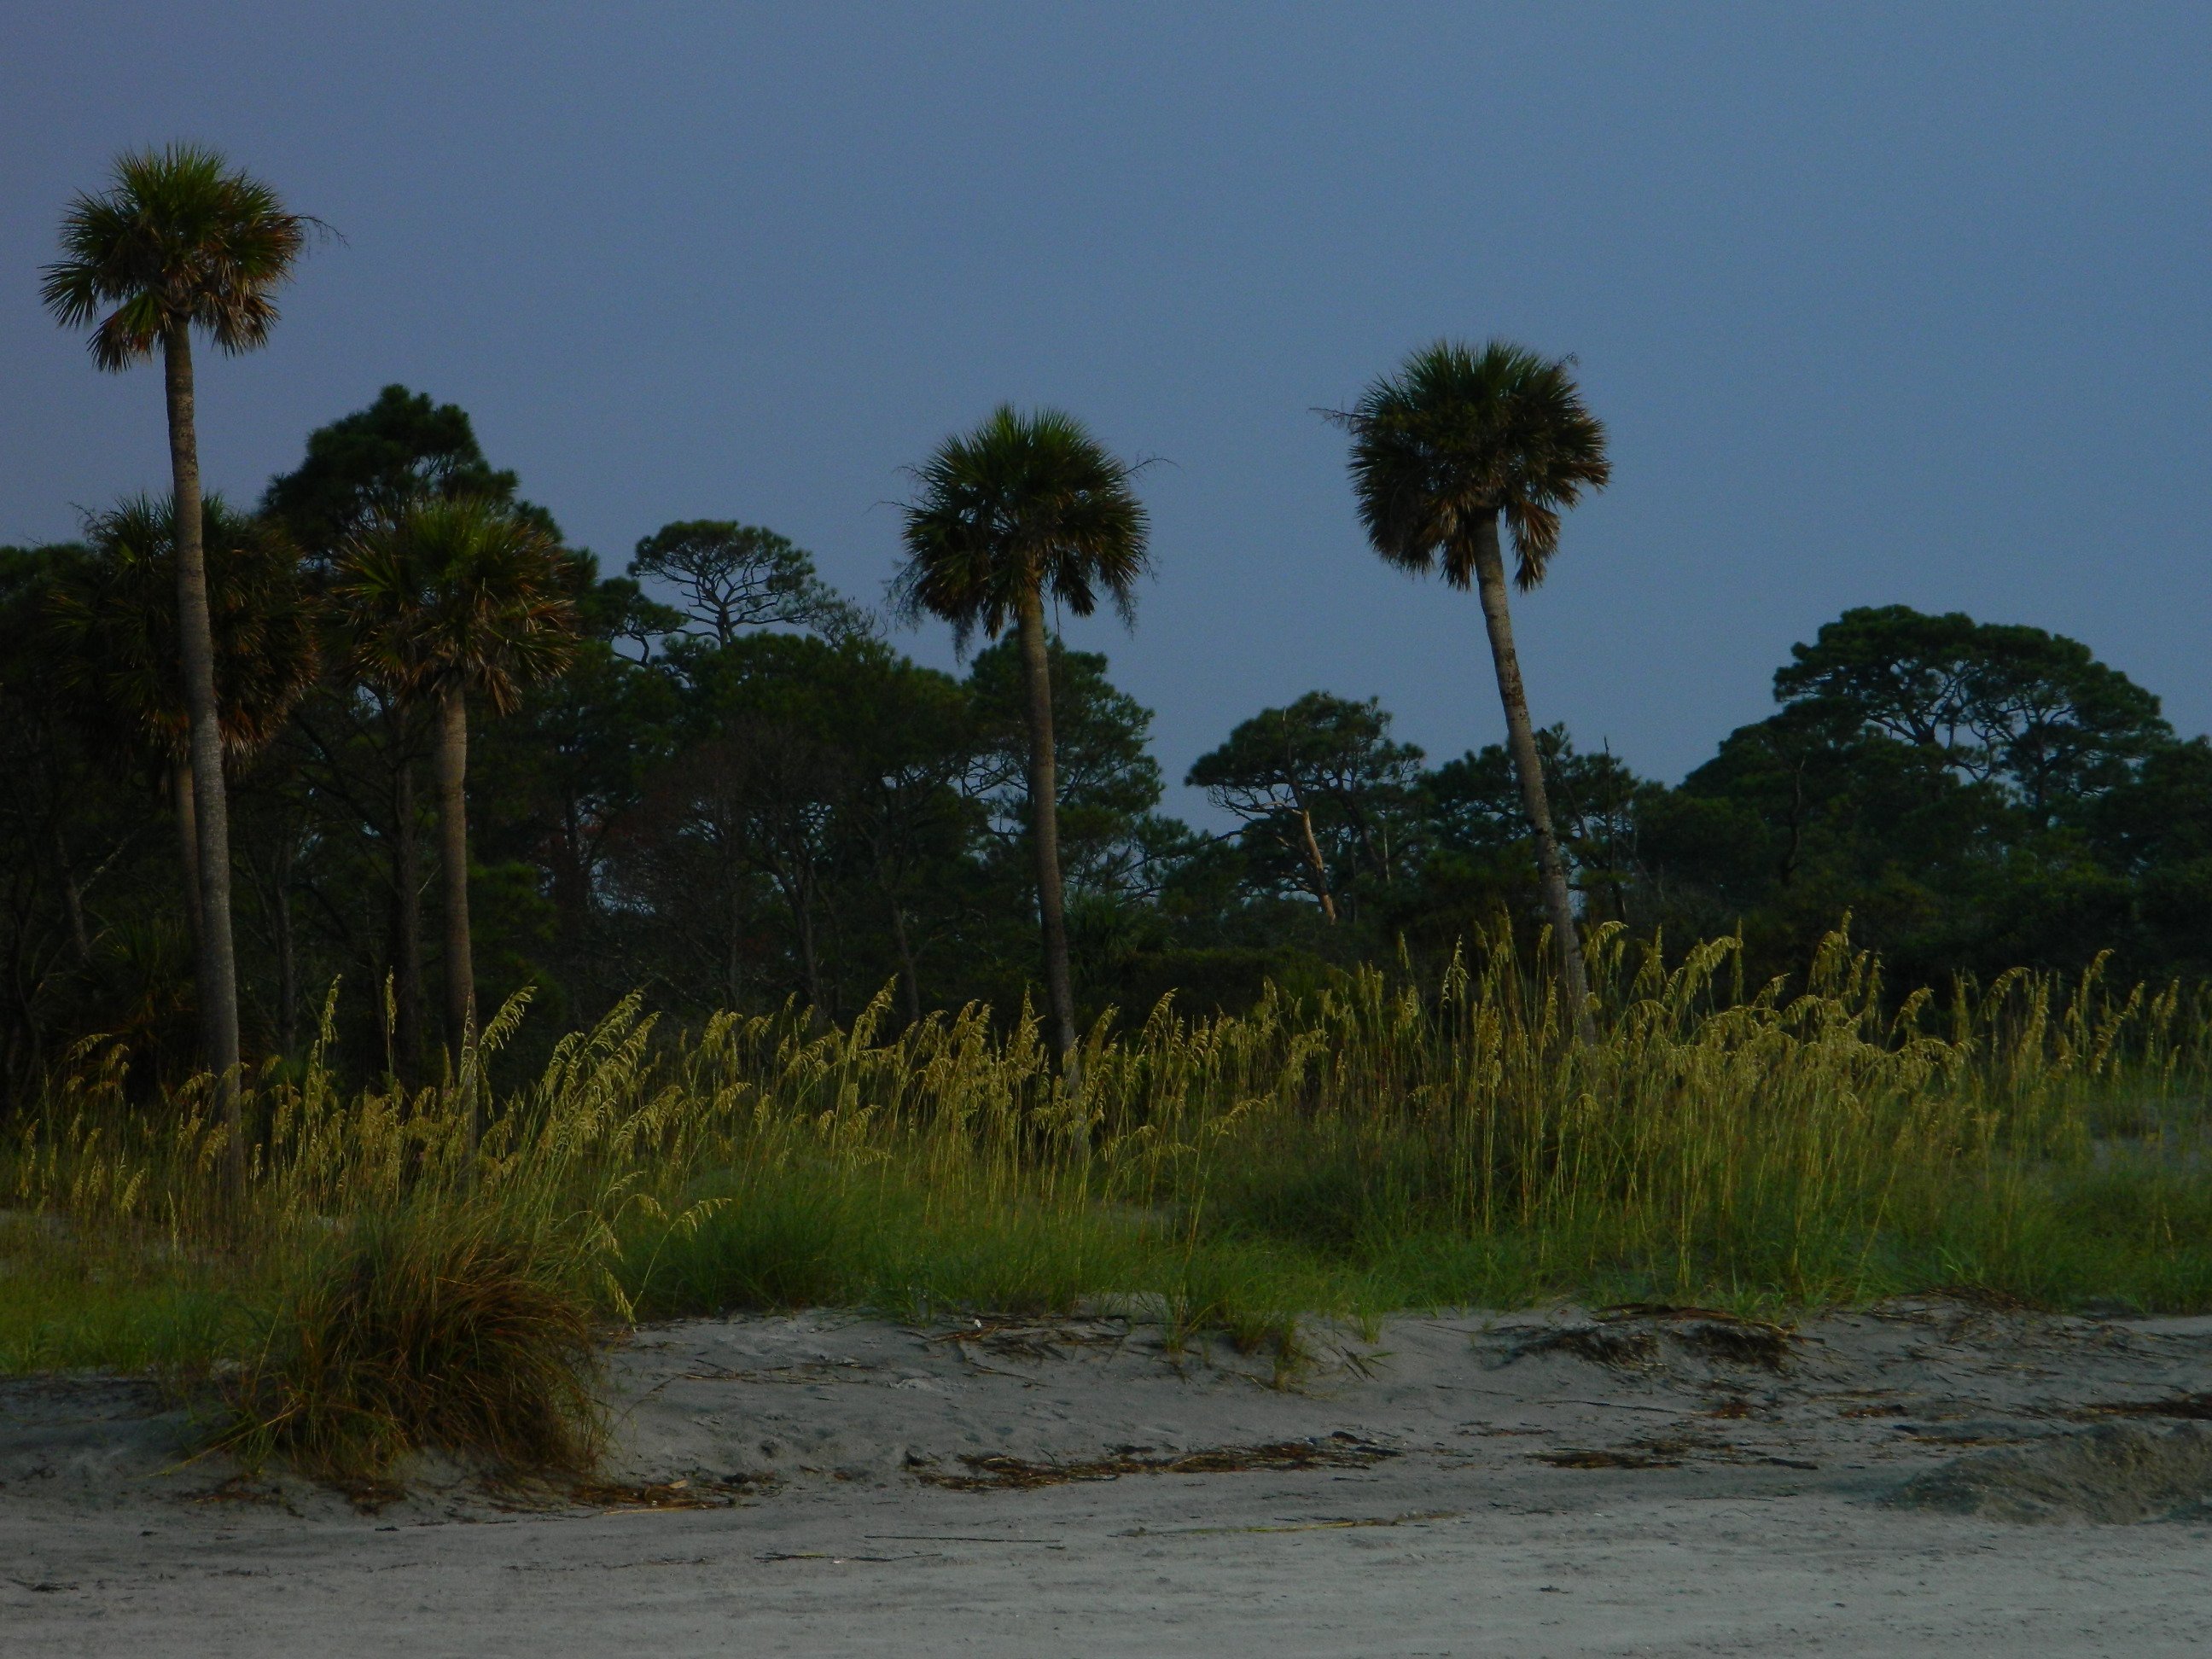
(389,727)
(731,790)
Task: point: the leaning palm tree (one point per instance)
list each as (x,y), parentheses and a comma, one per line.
(437,599)
(1441,451)
(180,240)
(112,624)
(1023,507)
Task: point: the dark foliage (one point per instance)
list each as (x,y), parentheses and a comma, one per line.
(736,792)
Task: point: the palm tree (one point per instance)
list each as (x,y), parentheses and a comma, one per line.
(1455,441)
(1024,506)
(440,598)
(112,618)
(181,240)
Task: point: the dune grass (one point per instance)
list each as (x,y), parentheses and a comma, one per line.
(1373,1145)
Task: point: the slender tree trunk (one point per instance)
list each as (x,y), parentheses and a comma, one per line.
(907,968)
(1045,832)
(217,959)
(288,971)
(899,938)
(188,845)
(1318,864)
(1521,743)
(453,866)
(1311,846)
(799,898)
(406,920)
(72,896)
(572,892)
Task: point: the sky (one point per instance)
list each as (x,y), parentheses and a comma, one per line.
(1880,305)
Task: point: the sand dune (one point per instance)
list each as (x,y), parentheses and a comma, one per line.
(1541,1483)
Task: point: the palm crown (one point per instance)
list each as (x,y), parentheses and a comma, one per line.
(1458,437)
(448,592)
(179,240)
(115,618)
(1024,506)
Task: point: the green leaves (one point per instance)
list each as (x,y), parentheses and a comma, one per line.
(179,240)
(112,627)
(1320,786)
(462,590)
(735,576)
(1024,508)
(2034,713)
(378,458)
(1459,438)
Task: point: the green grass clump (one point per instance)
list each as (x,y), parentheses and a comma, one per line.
(1367,1144)
(428,1328)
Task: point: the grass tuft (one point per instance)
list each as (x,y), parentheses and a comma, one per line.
(426,1330)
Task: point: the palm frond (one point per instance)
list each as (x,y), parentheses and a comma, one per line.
(1458,437)
(112,629)
(1026,506)
(180,238)
(454,590)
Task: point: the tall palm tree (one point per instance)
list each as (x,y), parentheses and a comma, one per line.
(112,619)
(181,240)
(437,599)
(1441,451)
(1024,508)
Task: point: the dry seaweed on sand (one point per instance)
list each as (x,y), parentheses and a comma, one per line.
(1718,1334)
(1346,1523)
(1627,1335)
(1598,1343)
(1745,1342)
(681,1494)
(999,1472)
(1962,1305)
(1618,1312)
(1587,1457)
(2188,1406)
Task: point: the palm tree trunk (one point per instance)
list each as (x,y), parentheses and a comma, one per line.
(453,866)
(216,957)
(406,945)
(1045,832)
(188,846)
(1521,744)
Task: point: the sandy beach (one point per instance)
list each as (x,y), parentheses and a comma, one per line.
(1544,1483)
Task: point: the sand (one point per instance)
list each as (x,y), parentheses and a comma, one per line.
(1546,1483)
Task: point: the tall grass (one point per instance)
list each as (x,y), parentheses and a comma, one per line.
(1371,1145)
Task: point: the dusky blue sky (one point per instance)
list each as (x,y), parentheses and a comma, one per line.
(1904,304)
